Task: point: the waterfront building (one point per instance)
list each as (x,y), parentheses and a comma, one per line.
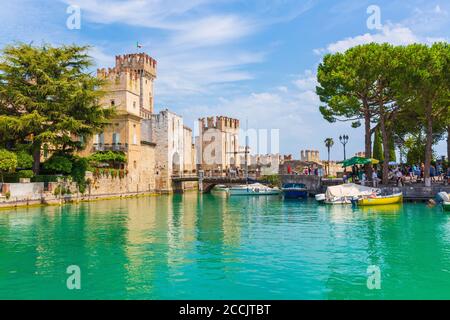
(264,164)
(218,144)
(174,155)
(157,145)
(129,89)
(309,155)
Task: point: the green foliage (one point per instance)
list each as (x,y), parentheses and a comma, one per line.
(8,161)
(107,157)
(273,180)
(45,178)
(377,146)
(58,164)
(8,195)
(402,90)
(24,160)
(61,190)
(78,173)
(47,93)
(26,174)
(392,155)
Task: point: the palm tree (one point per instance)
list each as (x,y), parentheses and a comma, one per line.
(329,144)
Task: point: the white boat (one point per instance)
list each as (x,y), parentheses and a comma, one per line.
(220,188)
(255,189)
(344,193)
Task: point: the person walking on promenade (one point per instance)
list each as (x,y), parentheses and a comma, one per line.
(375,178)
(399,176)
(432,173)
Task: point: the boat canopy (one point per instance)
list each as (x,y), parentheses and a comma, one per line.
(349,190)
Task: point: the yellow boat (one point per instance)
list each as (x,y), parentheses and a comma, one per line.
(381,200)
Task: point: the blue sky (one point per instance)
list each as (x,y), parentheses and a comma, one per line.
(253,59)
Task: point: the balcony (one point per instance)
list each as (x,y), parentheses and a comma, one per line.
(110,147)
(145,114)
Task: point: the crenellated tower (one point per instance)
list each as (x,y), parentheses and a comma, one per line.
(130,84)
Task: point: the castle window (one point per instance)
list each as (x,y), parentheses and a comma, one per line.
(116,138)
(134,104)
(113,103)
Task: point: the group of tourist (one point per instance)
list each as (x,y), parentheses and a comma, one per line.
(399,174)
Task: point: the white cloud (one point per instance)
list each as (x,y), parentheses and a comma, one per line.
(393,34)
(307,81)
(213,30)
(396,35)
(293,109)
(101,59)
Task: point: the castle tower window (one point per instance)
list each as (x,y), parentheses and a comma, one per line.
(113,103)
(134,104)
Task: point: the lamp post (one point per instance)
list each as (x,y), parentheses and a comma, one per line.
(344,140)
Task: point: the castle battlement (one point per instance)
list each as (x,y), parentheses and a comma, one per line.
(140,62)
(219,122)
(126,79)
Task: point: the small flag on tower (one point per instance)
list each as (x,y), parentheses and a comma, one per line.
(138,45)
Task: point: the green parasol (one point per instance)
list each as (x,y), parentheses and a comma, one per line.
(357,160)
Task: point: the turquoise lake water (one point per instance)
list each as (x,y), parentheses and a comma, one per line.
(210,247)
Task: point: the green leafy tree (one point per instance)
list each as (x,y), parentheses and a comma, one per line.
(47,96)
(345,89)
(392,155)
(329,143)
(427,88)
(24,160)
(58,164)
(377,146)
(8,162)
(78,172)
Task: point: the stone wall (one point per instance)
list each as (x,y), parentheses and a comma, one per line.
(20,191)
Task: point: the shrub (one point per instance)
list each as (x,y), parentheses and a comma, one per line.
(26,174)
(107,157)
(58,164)
(24,160)
(8,161)
(45,178)
(61,190)
(78,173)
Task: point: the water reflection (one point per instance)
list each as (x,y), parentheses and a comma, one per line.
(206,246)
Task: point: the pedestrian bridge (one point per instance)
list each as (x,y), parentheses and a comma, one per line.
(205,184)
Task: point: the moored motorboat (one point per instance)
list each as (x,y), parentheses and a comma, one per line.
(220,188)
(444,199)
(255,189)
(345,193)
(377,200)
(294,190)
